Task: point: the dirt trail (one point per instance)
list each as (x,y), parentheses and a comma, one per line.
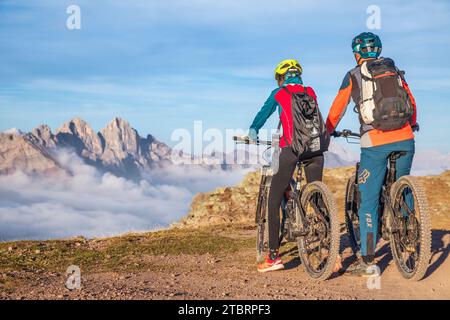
(234,276)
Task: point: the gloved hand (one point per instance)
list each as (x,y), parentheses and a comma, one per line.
(416,127)
(334,134)
(252,134)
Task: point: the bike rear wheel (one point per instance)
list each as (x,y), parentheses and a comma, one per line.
(410,240)
(319,248)
(352,204)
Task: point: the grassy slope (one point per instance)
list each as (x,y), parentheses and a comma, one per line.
(123,253)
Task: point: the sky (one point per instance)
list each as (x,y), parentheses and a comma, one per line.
(162,65)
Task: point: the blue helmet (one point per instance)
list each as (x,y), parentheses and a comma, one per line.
(367,45)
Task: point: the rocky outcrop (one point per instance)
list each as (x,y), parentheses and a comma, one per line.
(224,205)
(25,153)
(238,203)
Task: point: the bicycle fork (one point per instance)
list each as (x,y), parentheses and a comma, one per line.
(264,188)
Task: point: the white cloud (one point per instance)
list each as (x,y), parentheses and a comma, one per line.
(13,131)
(92,204)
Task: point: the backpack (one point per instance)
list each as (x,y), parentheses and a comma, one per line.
(385,104)
(310,136)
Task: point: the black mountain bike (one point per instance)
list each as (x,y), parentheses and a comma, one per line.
(403,217)
(308,217)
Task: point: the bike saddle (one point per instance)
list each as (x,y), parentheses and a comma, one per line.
(397,154)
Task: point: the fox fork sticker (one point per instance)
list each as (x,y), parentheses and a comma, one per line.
(363,176)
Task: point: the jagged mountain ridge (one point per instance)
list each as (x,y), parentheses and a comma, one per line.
(118,148)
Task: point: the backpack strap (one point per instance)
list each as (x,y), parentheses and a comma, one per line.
(286,89)
(279,123)
(305,90)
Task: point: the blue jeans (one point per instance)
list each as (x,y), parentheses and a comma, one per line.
(371,176)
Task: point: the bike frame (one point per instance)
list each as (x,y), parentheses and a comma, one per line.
(295,194)
(385,197)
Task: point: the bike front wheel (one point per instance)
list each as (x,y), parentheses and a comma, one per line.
(410,239)
(351,215)
(319,247)
(262,233)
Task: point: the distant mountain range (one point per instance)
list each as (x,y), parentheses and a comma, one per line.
(118,148)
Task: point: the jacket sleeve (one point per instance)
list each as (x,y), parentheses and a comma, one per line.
(266,111)
(340,104)
(413,102)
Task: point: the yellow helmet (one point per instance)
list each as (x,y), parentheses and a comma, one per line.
(287,65)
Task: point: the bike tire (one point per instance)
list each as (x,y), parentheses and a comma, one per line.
(421,211)
(333,231)
(351,215)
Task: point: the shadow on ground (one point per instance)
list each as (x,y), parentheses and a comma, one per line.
(440,250)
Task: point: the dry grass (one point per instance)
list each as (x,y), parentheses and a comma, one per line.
(119,253)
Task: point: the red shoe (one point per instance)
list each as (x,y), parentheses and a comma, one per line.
(271,265)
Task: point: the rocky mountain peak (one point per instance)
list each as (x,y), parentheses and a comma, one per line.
(44,136)
(76,126)
(120,141)
(78,134)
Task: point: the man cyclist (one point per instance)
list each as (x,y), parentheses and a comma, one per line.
(376,145)
(288,76)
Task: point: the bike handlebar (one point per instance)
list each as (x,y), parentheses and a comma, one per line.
(348,133)
(345,133)
(249,141)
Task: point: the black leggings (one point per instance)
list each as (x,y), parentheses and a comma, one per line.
(280,181)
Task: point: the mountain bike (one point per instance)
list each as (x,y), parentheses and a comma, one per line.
(308,217)
(403,217)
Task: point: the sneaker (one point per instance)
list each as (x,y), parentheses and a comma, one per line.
(361,269)
(271,265)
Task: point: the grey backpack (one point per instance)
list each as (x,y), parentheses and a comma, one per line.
(384,104)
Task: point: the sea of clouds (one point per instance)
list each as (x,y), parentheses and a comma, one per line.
(94,204)
(91,203)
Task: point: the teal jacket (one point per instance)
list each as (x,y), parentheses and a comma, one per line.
(269,108)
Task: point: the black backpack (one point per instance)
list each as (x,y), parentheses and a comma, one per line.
(310,136)
(385,104)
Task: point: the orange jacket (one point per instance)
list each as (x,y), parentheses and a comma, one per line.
(373,137)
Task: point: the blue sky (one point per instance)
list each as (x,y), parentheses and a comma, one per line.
(163,64)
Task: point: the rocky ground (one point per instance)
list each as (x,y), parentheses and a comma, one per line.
(210,255)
